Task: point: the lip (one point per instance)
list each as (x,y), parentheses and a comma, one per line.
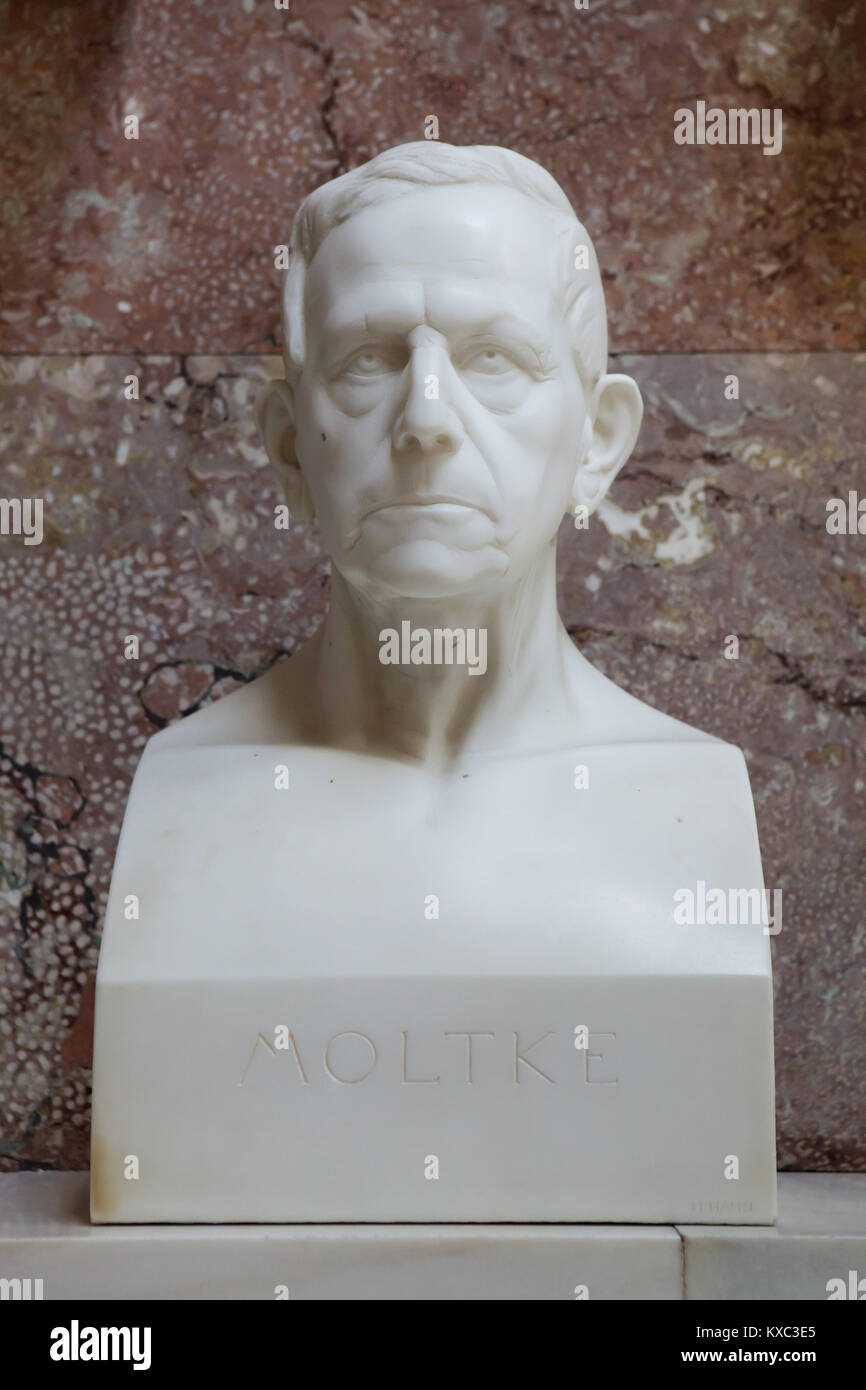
(429,500)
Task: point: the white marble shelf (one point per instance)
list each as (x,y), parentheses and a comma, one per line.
(45,1234)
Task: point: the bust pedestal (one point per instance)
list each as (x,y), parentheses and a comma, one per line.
(284,1035)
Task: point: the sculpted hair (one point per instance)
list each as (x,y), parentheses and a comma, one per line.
(431,164)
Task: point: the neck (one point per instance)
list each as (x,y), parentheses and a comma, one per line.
(515,691)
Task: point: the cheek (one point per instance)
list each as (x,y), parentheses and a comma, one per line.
(355,399)
(317,415)
(551,417)
(320,447)
(323,445)
(539,440)
(537,460)
(325,422)
(343,460)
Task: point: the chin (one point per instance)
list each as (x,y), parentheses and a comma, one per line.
(425,569)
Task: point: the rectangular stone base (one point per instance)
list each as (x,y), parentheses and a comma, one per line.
(45,1235)
(358,1117)
(275,1041)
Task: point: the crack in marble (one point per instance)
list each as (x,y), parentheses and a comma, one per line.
(292,29)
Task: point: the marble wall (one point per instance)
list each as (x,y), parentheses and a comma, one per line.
(154,257)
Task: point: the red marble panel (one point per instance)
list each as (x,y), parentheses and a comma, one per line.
(165,243)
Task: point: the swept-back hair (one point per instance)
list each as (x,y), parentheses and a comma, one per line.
(428,164)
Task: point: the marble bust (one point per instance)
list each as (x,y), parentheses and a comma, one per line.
(386,913)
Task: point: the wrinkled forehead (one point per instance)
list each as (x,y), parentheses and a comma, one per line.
(484,244)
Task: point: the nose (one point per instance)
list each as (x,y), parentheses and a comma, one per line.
(427,424)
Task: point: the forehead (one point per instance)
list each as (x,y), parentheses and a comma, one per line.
(486,244)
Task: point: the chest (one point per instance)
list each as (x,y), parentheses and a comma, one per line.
(280,857)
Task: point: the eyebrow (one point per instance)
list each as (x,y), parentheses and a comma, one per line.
(382,322)
(510,327)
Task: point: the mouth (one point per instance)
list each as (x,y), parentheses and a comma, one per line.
(435,503)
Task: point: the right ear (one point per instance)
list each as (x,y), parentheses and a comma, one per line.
(275,417)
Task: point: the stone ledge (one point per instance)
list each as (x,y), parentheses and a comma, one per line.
(820,1235)
(45,1234)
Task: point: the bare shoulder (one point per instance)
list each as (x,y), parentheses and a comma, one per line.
(618,717)
(260,712)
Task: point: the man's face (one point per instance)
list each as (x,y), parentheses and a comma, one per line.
(439,413)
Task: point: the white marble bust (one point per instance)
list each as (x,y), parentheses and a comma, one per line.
(424,862)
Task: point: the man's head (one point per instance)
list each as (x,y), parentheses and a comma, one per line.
(445,346)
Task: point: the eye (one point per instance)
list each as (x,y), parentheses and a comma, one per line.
(370,362)
(490,361)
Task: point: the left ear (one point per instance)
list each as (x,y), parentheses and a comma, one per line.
(611,433)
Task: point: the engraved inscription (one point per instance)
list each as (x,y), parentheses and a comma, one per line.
(350,1057)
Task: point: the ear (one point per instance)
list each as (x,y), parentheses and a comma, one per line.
(275,417)
(610,434)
